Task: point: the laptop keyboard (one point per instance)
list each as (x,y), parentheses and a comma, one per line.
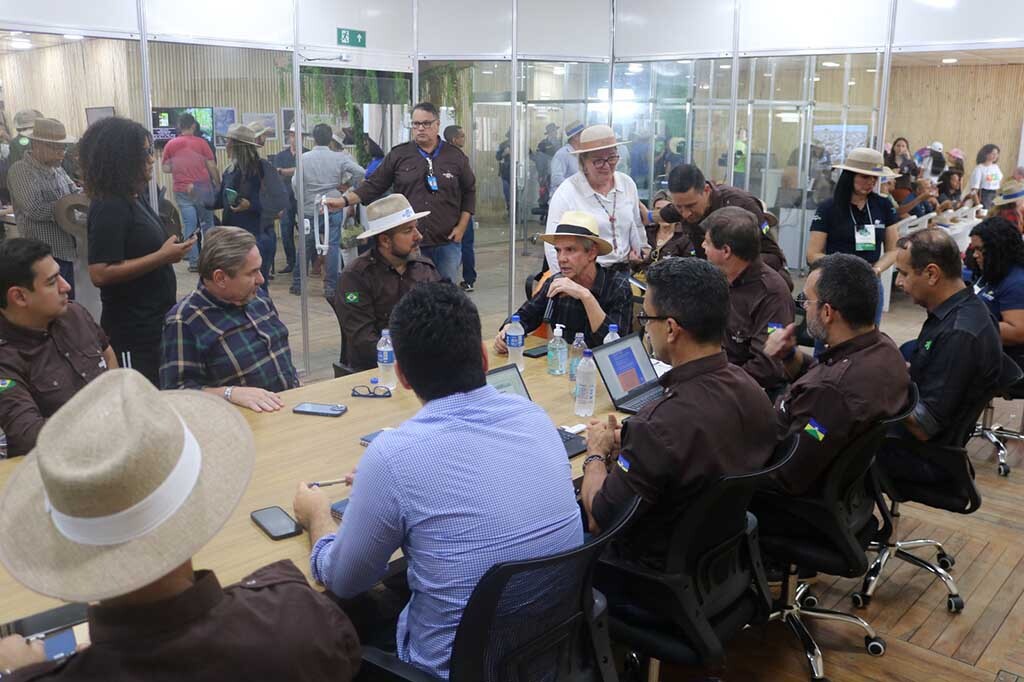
(638,402)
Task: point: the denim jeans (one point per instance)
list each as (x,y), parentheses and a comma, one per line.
(288,235)
(266,242)
(446,258)
(193,215)
(468,255)
(332,262)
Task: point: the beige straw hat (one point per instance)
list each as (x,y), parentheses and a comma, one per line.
(387,213)
(1011,191)
(240,132)
(24,119)
(50,130)
(865,161)
(596,137)
(579,224)
(125,484)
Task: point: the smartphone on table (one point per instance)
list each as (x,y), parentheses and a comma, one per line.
(276,523)
(536,352)
(320,409)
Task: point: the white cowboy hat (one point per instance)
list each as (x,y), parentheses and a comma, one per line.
(866,162)
(579,224)
(596,137)
(125,484)
(387,213)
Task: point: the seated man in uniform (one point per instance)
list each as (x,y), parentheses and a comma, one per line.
(586,297)
(180,461)
(690,437)
(694,199)
(759,301)
(859,380)
(225,337)
(373,283)
(958,355)
(50,347)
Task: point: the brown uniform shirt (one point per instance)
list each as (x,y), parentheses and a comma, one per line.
(850,388)
(40,371)
(368,290)
(712,421)
(759,304)
(680,244)
(270,626)
(405,170)
(724,195)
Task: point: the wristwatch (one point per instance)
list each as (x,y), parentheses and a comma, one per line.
(345,197)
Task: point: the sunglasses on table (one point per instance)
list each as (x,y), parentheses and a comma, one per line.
(365,391)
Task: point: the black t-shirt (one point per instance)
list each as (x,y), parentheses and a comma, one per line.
(840,223)
(121,229)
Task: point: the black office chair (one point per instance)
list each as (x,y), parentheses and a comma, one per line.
(713,584)
(842,525)
(957,494)
(527,621)
(997,433)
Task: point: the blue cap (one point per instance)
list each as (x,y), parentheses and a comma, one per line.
(515,318)
(613,327)
(374,380)
(587,353)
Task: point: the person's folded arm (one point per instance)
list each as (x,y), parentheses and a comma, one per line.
(20,417)
(951,371)
(1011,327)
(764,369)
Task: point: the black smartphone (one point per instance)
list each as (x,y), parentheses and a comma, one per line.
(320,409)
(276,523)
(536,352)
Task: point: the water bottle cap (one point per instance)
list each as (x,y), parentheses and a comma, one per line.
(579,335)
(587,353)
(515,318)
(613,327)
(385,332)
(374,380)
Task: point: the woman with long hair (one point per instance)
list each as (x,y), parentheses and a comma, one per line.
(901,160)
(672,239)
(999,255)
(986,176)
(130,252)
(951,189)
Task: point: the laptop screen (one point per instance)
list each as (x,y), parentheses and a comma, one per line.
(507,379)
(624,365)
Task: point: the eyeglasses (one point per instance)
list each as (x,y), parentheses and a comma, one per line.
(149,151)
(424,124)
(371,392)
(802,301)
(644,318)
(604,163)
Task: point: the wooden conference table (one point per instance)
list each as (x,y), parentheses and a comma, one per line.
(293,447)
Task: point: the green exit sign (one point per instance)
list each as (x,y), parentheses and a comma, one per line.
(351,37)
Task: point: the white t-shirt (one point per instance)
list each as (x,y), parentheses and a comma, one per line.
(576,194)
(986,177)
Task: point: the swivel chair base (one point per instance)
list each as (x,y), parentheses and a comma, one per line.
(796,604)
(898,549)
(996,434)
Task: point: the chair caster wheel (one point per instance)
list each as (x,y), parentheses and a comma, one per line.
(809,600)
(955,603)
(875,645)
(945,561)
(860,600)
(1004,469)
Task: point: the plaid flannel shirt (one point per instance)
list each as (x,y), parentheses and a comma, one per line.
(208,342)
(35,190)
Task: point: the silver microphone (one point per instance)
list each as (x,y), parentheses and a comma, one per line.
(551,301)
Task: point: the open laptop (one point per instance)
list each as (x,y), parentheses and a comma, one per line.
(507,379)
(628,373)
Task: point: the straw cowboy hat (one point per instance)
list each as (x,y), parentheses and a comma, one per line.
(579,224)
(125,484)
(71,212)
(239,132)
(596,137)
(864,161)
(24,119)
(1010,192)
(50,130)
(387,213)
(258,128)
(574,128)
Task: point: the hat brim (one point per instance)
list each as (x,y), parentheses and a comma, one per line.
(251,144)
(41,558)
(391,224)
(67,140)
(597,149)
(861,171)
(64,212)
(603,247)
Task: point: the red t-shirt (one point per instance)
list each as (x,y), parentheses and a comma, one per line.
(187,155)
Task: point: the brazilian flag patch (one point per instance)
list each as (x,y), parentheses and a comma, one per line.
(815,430)
(623,463)
(774,327)
(6,384)
(351,297)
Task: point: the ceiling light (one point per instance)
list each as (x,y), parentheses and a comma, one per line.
(872,70)
(21,45)
(635,68)
(17,33)
(817,78)
(705,86)
(684,61)
(950,60)
(831,65)
(766,75)
(72,36)
(725,66)
(852,83)
(558,71)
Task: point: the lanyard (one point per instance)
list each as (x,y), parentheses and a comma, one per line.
(867,206)
(611,215)
(430,157)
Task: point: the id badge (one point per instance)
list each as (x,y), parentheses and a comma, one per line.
(432,183)
(864,237)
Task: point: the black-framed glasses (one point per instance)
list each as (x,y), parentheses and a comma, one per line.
(802,301)
(365,391)
(612,161)
(643,318)
(424,124)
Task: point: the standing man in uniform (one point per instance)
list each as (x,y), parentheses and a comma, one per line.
(759,300)
(434,177)
(373,284)
(457,136)
(50,347)
(284,162)
(564,163)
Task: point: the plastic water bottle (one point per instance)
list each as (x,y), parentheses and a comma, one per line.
(558,352)
(386,360)
(613,333)
(576,354)
(514,337)
(586,385)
